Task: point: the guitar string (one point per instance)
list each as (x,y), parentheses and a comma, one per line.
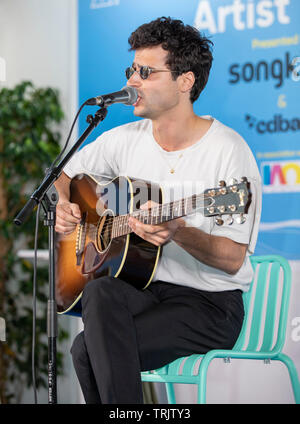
(170,205)
(110,221)
(159,208)
(92,231)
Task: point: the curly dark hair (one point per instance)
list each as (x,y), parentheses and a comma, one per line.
(188,50)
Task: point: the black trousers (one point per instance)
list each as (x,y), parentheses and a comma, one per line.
(127,331)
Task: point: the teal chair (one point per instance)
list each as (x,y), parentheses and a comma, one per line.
(262,335)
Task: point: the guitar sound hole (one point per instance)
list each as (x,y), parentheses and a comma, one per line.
(104,232)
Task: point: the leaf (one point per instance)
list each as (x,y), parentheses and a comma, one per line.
(29,142)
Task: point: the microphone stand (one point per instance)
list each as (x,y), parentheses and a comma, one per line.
(47,195)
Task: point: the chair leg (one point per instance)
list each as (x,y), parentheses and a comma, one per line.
(293,375)
(170,393)
(202,374)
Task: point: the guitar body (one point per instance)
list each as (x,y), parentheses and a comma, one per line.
(91,252)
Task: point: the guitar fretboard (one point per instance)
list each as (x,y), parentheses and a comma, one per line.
(158,214)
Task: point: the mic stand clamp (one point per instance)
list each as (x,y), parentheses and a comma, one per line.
(47,195)
(98,117)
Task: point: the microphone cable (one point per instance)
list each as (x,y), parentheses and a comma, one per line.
(68,138)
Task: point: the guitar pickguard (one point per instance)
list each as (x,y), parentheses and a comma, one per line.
(92,258)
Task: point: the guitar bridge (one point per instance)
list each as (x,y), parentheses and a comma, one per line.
(80,239)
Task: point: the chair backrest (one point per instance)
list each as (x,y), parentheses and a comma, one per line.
(266,306)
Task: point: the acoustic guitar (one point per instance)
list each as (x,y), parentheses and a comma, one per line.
(103,244)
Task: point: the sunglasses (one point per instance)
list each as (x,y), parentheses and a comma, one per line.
(144,71)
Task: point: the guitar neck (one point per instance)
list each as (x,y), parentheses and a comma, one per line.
(225,200)
(157,214)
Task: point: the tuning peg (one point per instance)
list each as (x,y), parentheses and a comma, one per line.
(222,185)
(229,220)
(240,219)
(219,220)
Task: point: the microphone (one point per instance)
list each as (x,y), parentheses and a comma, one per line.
(128,96)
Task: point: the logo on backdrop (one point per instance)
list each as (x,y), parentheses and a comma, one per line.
(279,70)
(280,176)
(277,124)
(296,69)
(244,14)
(98,4)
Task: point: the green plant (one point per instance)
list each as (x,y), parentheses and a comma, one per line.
(29,141)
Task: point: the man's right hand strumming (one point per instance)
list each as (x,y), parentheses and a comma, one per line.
(68,214)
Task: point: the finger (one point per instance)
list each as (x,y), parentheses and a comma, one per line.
(135,224)
(75,210)
(64,222)
(157,241)
(164,230)
(64,225)
(64,229)
(68,212)
(148,205)
(154,236)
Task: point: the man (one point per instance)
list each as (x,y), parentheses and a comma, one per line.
(194,303)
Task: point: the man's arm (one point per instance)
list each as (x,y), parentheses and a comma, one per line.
(218,252)
(67,214)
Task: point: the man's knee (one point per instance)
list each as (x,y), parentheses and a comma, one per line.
(102,289)
(78,349)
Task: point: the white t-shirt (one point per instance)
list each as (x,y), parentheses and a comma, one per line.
(221,154)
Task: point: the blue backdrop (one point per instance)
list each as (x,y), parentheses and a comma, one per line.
(254,86)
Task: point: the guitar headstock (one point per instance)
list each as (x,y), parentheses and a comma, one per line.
(233,199)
